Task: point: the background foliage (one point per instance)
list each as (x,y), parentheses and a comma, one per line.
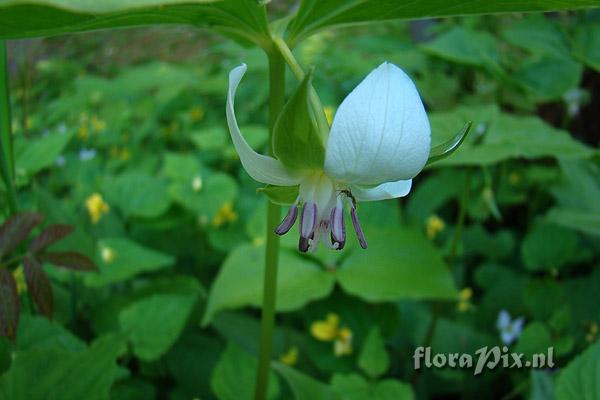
(136,118)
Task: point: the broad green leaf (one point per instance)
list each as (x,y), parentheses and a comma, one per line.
(542,385)
(154,323)
(548,78)
(37,332)
(355,387)
(283,195)
(548,246)
(373,358)
(538,35)
(38,154)
(586,44)
(234,376)
(316,15)
(240,282)
(535,339)
(126,259)
(50,373)
(580,380)
(399,264)
(303,386)
(296,140)
(137,194)
(497,137)
(582,221)
(465,47)
(240,19)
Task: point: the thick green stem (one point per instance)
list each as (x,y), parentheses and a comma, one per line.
(276,100)
(7,164)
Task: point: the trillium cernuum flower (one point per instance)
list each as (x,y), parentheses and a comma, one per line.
(379,140)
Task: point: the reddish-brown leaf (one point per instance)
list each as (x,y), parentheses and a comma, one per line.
(16,229)
(70,260)
(38,285)
(9,304)
(50,235)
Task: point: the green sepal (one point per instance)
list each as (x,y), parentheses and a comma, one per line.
(446,149)
(282,195)
(296,140)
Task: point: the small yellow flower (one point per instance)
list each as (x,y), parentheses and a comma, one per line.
(96,207)
(514,178)
(328,114)
(434,225)
(125,154)
(98,125)
(108,255)
(326,330)
(197,183)
(258,241)
(20,280)
(343,344)
(464,297)
(83,132)
(592,332)
(291,357)
(196,113)
(225,215)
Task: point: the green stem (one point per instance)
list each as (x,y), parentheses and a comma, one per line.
(7,164)
(276,100)
(462,213)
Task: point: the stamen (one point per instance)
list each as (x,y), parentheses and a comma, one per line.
(357,228)
(303,244)
(288,221)
(308,220)
(338,228)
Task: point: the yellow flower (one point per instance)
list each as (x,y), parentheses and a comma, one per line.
(108,255)
(98,125)
(196,113)
(434,225)
(197,183)
(20,280)
(125,154)
(329,330)
(464,297)
(83,132)
(514,178)
(326,330)
(592,332)
(225,215)
(291,357)
(258,241)
(96,207)
(328,114)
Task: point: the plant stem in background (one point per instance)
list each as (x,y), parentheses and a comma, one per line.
(276,100)
(7,164)
(462,213)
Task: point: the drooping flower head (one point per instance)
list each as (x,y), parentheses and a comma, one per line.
(510,329)
(379,140)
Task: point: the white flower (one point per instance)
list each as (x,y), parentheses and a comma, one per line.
(509,329)
(87,154)
(379,140)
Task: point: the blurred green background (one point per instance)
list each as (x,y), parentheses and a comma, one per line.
(122,134)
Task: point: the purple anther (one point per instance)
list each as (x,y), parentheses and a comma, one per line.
(338,228)
(308,220)
(288,221)
(357,228)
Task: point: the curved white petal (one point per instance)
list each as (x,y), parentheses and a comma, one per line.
(385,191)
(261,168)
(380,132)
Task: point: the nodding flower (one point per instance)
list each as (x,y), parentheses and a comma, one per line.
(378,141)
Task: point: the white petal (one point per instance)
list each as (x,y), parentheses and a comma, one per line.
(261,168)
(388,190)
(517,325)
(380,132)
(503,321)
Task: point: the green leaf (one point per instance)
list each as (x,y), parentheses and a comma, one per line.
(303,386)
(354,387)
(296,140)
(283,195)
(580,380)
(586,45)
(9,304)
(465,47)
(534,339)
(240,282)
(38,285)
(50,373)
(316,15)
(373,359)
(548,246)
(128,260)
(16,229)
(154,323)
(399,264)
(446,149)
(234,376)
(538,35)
(542,385)
(582,221)
(241,19)
(41,153)
(549,78)
(137,194)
